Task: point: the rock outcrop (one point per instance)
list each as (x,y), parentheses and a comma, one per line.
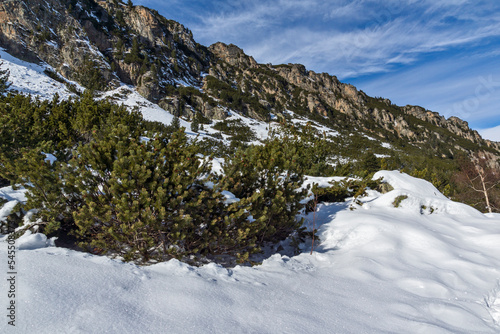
(134,45)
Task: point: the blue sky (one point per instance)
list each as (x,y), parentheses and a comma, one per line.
(442,55)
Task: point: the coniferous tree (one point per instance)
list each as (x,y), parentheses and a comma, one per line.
(119,18)
(46,192)
(195,124)
(146,200)
(176,123)
(90,75)
(4,80)
(135,53)
(314,150)
(119,49)
(370,163)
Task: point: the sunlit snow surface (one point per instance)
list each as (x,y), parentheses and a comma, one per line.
(28,78)
(378,269)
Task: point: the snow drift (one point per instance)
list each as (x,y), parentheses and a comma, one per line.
(379,268)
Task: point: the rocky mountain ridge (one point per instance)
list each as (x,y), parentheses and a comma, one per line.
(116,43)
(101,44)
(321,91)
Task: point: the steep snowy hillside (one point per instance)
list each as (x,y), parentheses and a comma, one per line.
(407,261)
(31,79)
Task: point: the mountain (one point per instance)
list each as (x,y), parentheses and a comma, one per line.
(118,50)
(102,43)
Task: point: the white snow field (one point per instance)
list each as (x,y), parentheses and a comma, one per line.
(428,266)
(28,78)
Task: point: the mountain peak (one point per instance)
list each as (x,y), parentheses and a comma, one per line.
(232,54)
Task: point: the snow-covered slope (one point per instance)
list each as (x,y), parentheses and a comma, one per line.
(129,97)
(378,269)
(29,78)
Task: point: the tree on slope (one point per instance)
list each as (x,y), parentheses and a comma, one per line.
(4,80)
(268,177)
(147,200)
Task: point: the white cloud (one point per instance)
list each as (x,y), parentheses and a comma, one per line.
(281,32)
(340,37)
(491,133)
(452,87)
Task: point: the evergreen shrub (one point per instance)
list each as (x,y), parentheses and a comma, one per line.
(146,200)
(269,178)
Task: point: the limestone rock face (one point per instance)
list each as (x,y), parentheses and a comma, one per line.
(37,30)
(232,55)
(453,124)
(71,39)
(174,106)
(321,93)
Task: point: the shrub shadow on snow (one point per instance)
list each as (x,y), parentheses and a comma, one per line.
(325,213)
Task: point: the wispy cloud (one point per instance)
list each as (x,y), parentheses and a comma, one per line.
(410,51)
(315,33)
(471,92)
(346,38)
(491,133)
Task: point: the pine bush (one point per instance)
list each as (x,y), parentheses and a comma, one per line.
(146,200)
(268,178)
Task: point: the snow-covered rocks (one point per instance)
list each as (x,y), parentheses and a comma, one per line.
(419,195)
(33,241)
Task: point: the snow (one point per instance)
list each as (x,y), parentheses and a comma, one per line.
(13,197)
(7,209)
(33,241)
(92,48)
(28,78)
(382,155)
(260,128)
(296,119)
(150,111)
(230,197)
(377,269)
(322,182)
(217,166)
(50,158)
(52,44)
